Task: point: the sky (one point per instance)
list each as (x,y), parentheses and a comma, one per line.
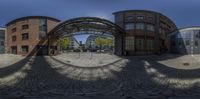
(183,13)
(81,38)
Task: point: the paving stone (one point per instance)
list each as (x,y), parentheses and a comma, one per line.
(185,97)
(52,79)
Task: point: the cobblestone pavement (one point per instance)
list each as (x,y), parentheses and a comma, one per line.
(87,59)
(9,59)
(139,77)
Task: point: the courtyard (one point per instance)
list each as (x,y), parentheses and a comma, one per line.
(80,76)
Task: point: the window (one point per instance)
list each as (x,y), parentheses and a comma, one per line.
(150,27)
(179,42)
(42,21)
(197,33)
(119,17)
(25,26)
(42,28)
(140,17)
(139,44)
(2,35)
(129,18)
(129,26)
(24,49)
(150,44)
(14,30)
(42,24)
(42,35)
(14,49)
(196,43)
(25,36)
(140,26)
(14,38)
(187,42)
(130,43)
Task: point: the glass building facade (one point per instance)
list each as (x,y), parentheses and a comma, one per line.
(2,40)
(186,41)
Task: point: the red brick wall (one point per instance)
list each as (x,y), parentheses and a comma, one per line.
(33,34)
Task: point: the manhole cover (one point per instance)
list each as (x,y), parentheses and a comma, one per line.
(68,61)
(186,64)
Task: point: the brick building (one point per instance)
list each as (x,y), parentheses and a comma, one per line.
(146,31)
(28,34)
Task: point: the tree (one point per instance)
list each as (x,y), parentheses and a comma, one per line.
(100,42)
(64,42)
(109,42)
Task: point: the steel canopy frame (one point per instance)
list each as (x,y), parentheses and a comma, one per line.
(76,24)
(93,24)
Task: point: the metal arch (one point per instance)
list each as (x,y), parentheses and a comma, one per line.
(84,32)
(92,24)
(90,32)
(87,23)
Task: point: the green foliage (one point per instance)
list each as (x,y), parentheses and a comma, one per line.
(109,42)
(64,42)
(104,41)
(100,41)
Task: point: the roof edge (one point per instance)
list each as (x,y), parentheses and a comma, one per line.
(122,11)
(27,17)
(188,27)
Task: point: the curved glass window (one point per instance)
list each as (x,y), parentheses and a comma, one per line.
(129,26)
(140,17)
(140,26)
(129,18)
(150,27)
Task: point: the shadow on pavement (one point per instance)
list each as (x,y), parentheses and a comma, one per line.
(133,81)
(140,78)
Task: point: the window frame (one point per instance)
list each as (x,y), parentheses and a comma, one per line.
(150,27)
(14,30)
(25,26)
(26,50)
(26,37)
(129,26)
(130,43)
(187,42)
(139,26)
(141,17)
(14,38)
